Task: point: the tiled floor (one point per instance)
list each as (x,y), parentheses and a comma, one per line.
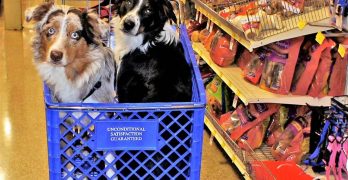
(23,147)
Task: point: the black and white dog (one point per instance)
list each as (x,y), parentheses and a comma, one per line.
(152,65)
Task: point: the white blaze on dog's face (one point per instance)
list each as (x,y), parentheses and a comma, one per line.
(144,16)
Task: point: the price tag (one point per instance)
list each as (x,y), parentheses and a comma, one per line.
(301,24)
(197,15)
(320,38)
(341,50)
(235,101)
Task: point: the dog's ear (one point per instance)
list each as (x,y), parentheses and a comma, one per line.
(169,10)
(36,13)
(95,27)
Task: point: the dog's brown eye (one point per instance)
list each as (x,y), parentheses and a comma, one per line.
(51,31)
(75,35)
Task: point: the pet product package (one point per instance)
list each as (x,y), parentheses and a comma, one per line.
(276,126)
(278,72)
(223,49)
(218,97)
(245,58)
(208,40)
(306,78)
(289,146)
(253,70)
(251,121)
(321,76)
(338,77)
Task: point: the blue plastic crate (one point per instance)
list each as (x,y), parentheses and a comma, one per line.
(128,140)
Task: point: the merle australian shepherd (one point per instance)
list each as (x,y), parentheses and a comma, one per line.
(69,54)
(152,65)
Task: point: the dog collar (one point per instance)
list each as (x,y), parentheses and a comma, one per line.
(95,87)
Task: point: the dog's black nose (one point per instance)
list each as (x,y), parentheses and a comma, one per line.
(128,25)
(56,55)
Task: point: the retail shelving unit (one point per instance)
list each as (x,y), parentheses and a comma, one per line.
(249,93)
(285,33)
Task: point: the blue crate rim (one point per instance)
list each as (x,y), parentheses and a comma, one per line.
(142,106)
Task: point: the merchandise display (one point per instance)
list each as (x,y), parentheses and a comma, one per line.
(278,55)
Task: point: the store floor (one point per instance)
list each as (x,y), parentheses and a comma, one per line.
(23,148)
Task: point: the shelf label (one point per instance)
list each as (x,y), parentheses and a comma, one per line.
(341,50)
(200,18)
(197,15)
(211,26)
(301,24)
(320,38)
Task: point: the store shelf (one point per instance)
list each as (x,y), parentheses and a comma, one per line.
(285,33)
(239,157)
(249,93)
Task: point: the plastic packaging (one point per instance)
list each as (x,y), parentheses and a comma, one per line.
(223,49)
(253,69)
(245,58)
(279,70)
(302,86)
(208,40)
(338,77)
(321,77)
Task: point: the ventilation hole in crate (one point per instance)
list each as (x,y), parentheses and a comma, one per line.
(110,173)
(63,173)
(93,114)
(85,121)
(187,158)
(181,165)
(86,165)
(62,129)
(166,135)
(126,157)
(188,128)
(165,164)
(109,115)
(166,149)
(175,113)
(102,178)
(77,115)
(187,171)
(62,144)
(62,114)
(173,172)
(174,127)
(173,157)
(62,160)
(109,157)
(181,150)
(141,172)
(174,142)
(160,128)
(125,171)
(150,153)
(157,171)
(133,177)
(142,115)
(167,121)
(183,120)
(78,158)
(69,166)
(125,115)
(101,165)
(141,157)
(182,135)
(149,164)
(69,152)
(133,165)
(69,122)
(158,114)
(188,143)
(94,173)
(149,177)
(181,177)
